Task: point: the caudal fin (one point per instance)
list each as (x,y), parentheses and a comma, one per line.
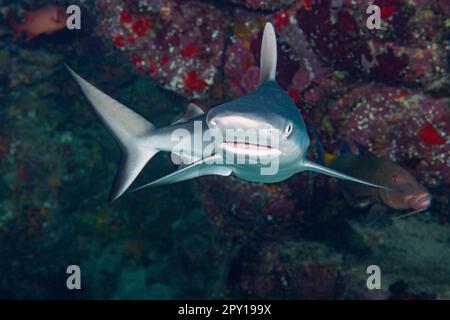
(17,28)
(129,129)
(311,166)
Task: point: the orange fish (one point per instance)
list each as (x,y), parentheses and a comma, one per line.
(45,20)
(406,192)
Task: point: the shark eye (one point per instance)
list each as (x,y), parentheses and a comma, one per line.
(288,129)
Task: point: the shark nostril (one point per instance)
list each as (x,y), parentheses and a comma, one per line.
(212,123)
(211,118)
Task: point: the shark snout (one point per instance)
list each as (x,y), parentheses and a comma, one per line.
(213,119)
(242,134)
(225,120)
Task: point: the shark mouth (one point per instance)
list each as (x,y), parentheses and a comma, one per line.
(246,148)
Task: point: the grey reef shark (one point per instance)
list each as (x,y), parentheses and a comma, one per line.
(267,110)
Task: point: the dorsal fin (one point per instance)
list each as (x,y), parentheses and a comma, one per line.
(192,111)
(268,62)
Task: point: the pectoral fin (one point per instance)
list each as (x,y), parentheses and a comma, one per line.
(200,168)
(307,165)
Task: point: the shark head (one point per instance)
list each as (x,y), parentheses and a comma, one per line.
(264,123)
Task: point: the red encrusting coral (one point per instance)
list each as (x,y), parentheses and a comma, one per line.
(119,41)
(431,136)
(281,19)
(388,11)
(125,17)
(193,82)
(189,51)
(141,26)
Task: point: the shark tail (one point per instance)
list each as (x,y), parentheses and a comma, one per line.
(129,129)
(315,167)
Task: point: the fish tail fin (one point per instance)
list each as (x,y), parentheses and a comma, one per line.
(315,167)
(129,129)
(17,28)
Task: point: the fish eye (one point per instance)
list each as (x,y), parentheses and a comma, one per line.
(395,179)
(288,129)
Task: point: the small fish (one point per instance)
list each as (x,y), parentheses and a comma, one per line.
(268,109)
(405,193)
(45,20)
